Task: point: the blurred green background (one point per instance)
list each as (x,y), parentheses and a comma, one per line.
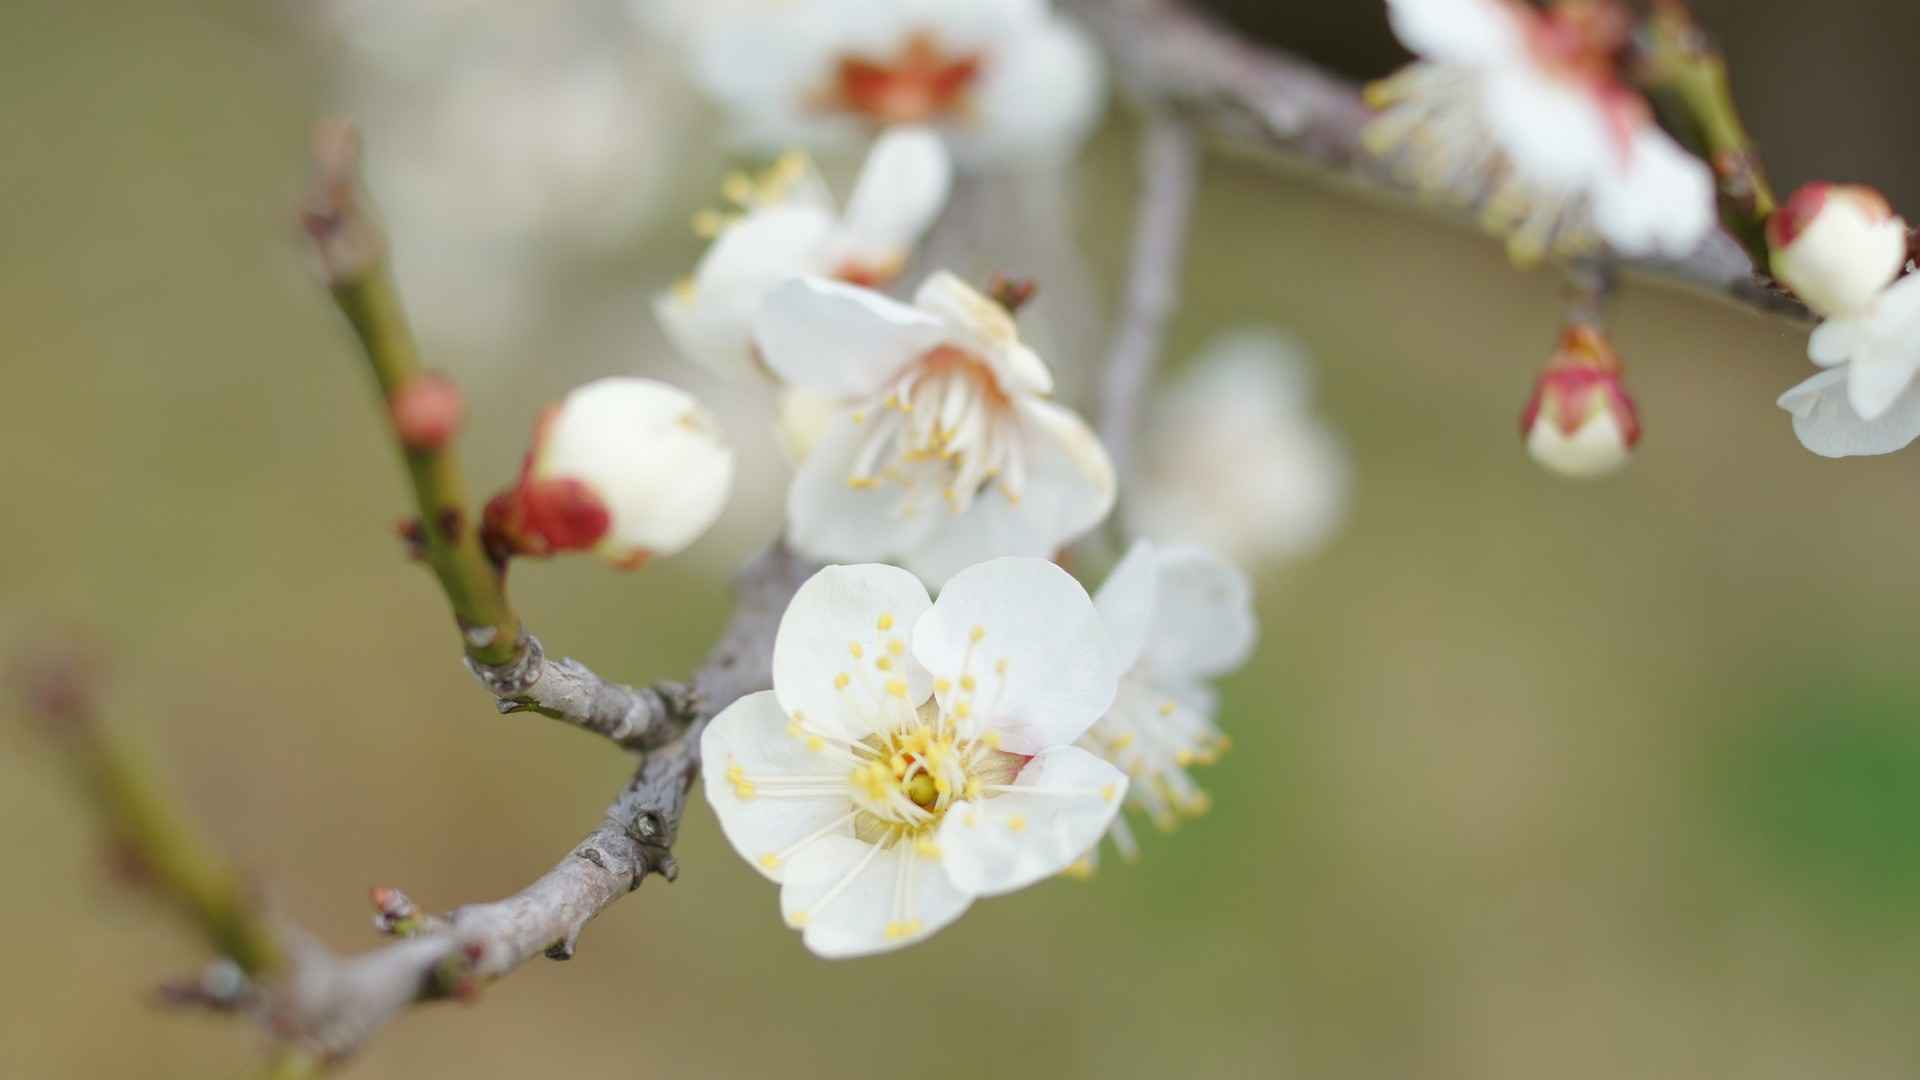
(1530,778)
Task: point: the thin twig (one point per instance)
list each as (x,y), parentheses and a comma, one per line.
(1169,173)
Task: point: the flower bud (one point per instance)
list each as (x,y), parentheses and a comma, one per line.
(624,467)
(427,411)
(1837,246)
(1580,421)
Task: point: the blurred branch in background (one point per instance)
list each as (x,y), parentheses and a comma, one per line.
(1267,103)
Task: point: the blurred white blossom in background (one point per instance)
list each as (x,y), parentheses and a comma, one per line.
(503,136)
(1008,82)
(1235,460)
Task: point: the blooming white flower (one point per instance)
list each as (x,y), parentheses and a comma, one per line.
(788,227)
(1006,81)
(1580,420)
(1866,401)
(943,449)
(1177,617)
(1836,246)
(624,467)
(1521,109)
(913,756)
(1233,457)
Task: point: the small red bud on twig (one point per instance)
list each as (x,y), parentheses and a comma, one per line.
(427,412)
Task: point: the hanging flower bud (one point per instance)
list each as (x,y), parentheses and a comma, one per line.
(1837,246)
(624,467)
(1580,421)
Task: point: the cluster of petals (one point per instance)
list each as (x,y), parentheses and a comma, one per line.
(1522,111)
(1841,249)
(939,447)
(1003,81)
(783,224)
(913,756)
(1176,617)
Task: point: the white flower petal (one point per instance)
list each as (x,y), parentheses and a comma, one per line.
(1027,635)
(749,744)
(711,320)
(1038,98)
(1837,340)
(1461,31)
(1553,131)
(851,620)
(1873,382)
(839,338)
(1058,807)
(901,190)
(851,898)
(828,517)
(1069,488)
(1827,425)
(1660,202)
(1203,623)
(979,325)
(1127,601)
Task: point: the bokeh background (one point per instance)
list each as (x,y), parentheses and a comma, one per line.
(1530,778)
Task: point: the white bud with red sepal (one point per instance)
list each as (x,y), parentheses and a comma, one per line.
(1837,246)
(1580,421)
(626,468)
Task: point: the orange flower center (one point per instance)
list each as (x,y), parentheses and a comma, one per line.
(921,82)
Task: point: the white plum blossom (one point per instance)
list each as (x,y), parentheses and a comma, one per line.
(1177,617)
(1521,111)
(942,448)
(1234,459)
(1005,81)
(786,226)
(627,468)
(913,756)
(1865,402)
(1836,246)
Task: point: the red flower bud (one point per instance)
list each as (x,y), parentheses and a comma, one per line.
(427,411)
(1580,420)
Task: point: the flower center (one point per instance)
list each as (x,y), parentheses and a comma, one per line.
(919,83)
(906,778)
(946,423)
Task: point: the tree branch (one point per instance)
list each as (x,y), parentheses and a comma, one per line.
(1169,174)
(1270,105)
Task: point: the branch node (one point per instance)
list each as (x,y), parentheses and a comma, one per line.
(516,676)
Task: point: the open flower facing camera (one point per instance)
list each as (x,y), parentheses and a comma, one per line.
(913,756)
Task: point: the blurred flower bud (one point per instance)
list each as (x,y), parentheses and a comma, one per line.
(427,411)
(1837,246)
(1580,421)
(624,467)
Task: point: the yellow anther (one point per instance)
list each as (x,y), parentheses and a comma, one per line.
(885,623)
(962,710)
(1016,823)
(737,188)
(707,224)
(840,681)
(1000,666)
(897,687)
(942,785)
(942,685)
(1166,708)
(1184,758)
(967,683)
(927,848)
(1108,792)
(1225,744)
(854,648)
(992,739)
(797,920)
(897,647)
(1122,741)
(1079,869)
(861,483)
(816,743)
(978,633)
(1199,804)
(884,663)
(972,790)
(741,785)
(770,861)
(683,288)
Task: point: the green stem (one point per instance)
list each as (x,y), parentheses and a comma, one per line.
(1687,80)
(353,251)
(164,847)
